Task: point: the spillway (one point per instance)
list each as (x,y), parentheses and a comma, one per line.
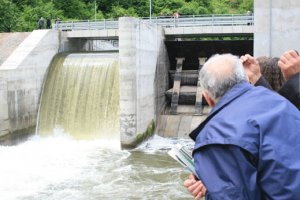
(81,97)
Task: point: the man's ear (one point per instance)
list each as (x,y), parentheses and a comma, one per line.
(208,99)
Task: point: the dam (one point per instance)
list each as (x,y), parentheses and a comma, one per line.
(158,61)
(61,85)
(158,90)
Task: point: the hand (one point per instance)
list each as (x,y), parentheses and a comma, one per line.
(195,187)
(251,67)
(289,64)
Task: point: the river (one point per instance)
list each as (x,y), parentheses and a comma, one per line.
(59,167)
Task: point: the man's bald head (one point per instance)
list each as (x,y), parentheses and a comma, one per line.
(220,73)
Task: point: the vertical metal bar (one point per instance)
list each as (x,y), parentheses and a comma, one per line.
(176,86)
(198,103)
(150,9)
(95,10)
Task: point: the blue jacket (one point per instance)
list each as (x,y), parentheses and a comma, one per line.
(290,90)
(249,146)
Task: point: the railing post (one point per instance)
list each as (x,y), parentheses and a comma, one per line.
(104,24)
(174,21)
(89,24)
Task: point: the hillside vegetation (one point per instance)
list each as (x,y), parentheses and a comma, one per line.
(23,15)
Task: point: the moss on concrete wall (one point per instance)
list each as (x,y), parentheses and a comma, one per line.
(16,137)
(140,137)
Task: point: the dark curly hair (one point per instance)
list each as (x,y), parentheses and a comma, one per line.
(270,70)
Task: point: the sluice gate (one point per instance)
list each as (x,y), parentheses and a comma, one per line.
(186,108)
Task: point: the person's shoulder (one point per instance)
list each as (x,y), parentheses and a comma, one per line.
(264,92)
(259,100)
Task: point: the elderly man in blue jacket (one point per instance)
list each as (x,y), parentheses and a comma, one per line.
(248,147)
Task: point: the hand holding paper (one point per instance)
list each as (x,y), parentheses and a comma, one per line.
(181,155)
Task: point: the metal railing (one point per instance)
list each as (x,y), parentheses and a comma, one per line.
(165,21)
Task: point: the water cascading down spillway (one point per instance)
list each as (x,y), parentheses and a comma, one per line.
(81,97)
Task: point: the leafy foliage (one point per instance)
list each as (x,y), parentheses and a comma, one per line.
(23,15)
(8,19)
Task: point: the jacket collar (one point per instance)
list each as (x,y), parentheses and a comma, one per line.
(236,91)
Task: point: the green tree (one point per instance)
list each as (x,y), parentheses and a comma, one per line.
(74,9)
(23,3)
(245,6)
(193,8)
(28,19)
(118,11)
(9,16)
(231,6)
(220,7)
(23,15)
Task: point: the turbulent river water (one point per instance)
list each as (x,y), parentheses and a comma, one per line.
(75,153)
(58,167)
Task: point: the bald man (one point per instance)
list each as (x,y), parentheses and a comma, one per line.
(247,148)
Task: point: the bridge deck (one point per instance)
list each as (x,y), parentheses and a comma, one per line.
(181,27)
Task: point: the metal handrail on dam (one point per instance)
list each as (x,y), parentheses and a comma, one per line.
(164,21)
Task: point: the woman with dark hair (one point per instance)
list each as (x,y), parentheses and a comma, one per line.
(271,72)
(289,65)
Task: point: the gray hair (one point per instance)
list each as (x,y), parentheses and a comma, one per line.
(215,80)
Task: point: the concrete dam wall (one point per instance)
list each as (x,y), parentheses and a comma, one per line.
(150,67)
(143,78)
(21,77)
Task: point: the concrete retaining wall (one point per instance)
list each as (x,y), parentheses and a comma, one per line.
(140,47)
(21,85)
(276,27)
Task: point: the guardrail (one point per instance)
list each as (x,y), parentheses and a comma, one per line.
(165,21)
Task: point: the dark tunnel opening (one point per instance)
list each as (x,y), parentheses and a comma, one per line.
(186,58)
(192,50)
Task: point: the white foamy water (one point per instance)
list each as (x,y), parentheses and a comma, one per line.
(61,168)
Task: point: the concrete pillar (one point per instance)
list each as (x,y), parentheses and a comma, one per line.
(139,49)
(128,92)
(276,27)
